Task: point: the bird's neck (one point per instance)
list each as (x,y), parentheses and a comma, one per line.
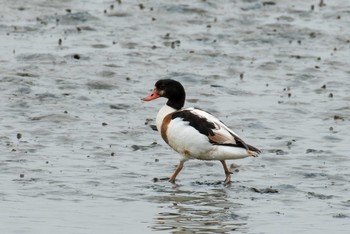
(164,111)
(176,104)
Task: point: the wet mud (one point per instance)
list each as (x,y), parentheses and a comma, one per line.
(79,154)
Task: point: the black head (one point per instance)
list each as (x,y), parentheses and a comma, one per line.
(173,91)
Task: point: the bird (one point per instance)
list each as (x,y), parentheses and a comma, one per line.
(195,133)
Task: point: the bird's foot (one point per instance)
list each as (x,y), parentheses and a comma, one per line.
(172,180)
(227,180)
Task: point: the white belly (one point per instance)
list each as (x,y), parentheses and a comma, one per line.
(187,140)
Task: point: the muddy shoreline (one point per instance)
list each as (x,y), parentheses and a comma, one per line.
(78,152)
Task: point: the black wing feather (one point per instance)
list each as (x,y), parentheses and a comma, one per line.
(200,123)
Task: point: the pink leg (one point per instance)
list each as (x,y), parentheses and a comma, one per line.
(227,173)
(177,171)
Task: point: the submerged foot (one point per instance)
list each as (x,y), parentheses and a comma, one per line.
(228,179)
(171,180)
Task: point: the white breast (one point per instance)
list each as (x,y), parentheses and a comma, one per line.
(164,111)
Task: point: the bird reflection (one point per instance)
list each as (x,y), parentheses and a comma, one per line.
(205,209)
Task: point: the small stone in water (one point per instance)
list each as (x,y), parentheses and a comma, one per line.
(155,179)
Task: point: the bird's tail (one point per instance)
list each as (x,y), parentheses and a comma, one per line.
(253,150)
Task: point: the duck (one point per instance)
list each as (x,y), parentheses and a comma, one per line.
(195,133)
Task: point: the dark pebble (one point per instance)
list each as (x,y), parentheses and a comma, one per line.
(154,127)
(266,190)
(330,95)
(21,175)
(19,136)
(164,179)
(104,124)
(269,3)
(324,86)
(313,35)
(135,147)
(76,56)
(338,117)
(60,41)
(141,6)
(112,154)
(314,151)
(155,179)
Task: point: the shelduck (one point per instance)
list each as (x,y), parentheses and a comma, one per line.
(194,133)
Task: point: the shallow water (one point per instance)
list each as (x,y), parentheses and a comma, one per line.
(78,153)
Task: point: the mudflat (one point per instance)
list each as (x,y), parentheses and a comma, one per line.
(78,154)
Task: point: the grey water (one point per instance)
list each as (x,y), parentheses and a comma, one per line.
(78,154)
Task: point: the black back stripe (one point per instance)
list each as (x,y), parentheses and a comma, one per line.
(201,124)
